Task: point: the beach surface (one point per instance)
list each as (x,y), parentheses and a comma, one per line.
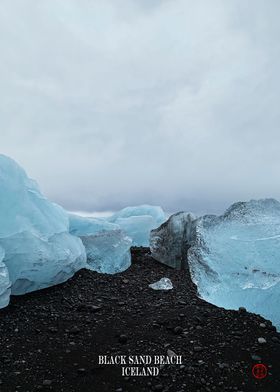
(52,340)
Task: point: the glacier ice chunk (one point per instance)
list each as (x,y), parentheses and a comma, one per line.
(162,284)
(171,240)
(145,209)
(108,240)
(34,233)
(5,284)
(83,226)
(233,258)
(137,222)
(107,246)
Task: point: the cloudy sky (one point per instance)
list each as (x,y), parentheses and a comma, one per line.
(109,103)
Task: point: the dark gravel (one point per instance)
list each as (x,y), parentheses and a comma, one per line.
(50,340)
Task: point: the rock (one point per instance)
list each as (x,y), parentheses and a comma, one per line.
(171,353)
(53,330)
(158,387)
(261,340)
(262,325)
(275,339)
(89,307)
(223,365)
(75,330)
(197,348)
(94,308)
(242,309)
(255,357)
(123,339)
(178,330)
(47,383)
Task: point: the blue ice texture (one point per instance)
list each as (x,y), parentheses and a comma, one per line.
(234,259)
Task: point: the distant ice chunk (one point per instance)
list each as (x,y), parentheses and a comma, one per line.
(108,240)
(107,246)
(34,233)
(233,258)
(137,222)
(162,284)
(145,209)
(83,226)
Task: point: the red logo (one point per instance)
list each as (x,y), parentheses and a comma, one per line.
(259,371)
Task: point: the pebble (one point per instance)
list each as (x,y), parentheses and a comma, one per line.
(178,330)
(53,330)
(123,339)
(171,353)
(223,365)
(197,348)
(255,357)
(261,340)
(75,331)
(275,339)
(47,382)
(94,308)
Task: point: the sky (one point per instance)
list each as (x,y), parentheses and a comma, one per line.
(123,102)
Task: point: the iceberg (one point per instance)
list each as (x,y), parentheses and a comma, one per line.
(37,249)
(232,258)
(137,222)
(107,246)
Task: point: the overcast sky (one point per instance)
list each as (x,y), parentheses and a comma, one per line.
(109,103)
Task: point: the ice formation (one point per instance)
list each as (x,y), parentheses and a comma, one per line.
(233,258)
(171,240)
(41,245)
(107,246)
(162,284)
(5,284)
(108,240)
(137,222)
(37,250)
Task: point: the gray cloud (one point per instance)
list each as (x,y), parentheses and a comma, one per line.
(121,102)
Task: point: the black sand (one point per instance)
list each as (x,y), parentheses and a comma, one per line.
(50,340)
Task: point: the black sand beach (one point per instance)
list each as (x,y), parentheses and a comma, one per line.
(50,340)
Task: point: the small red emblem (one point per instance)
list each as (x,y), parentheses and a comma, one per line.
(259,371)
